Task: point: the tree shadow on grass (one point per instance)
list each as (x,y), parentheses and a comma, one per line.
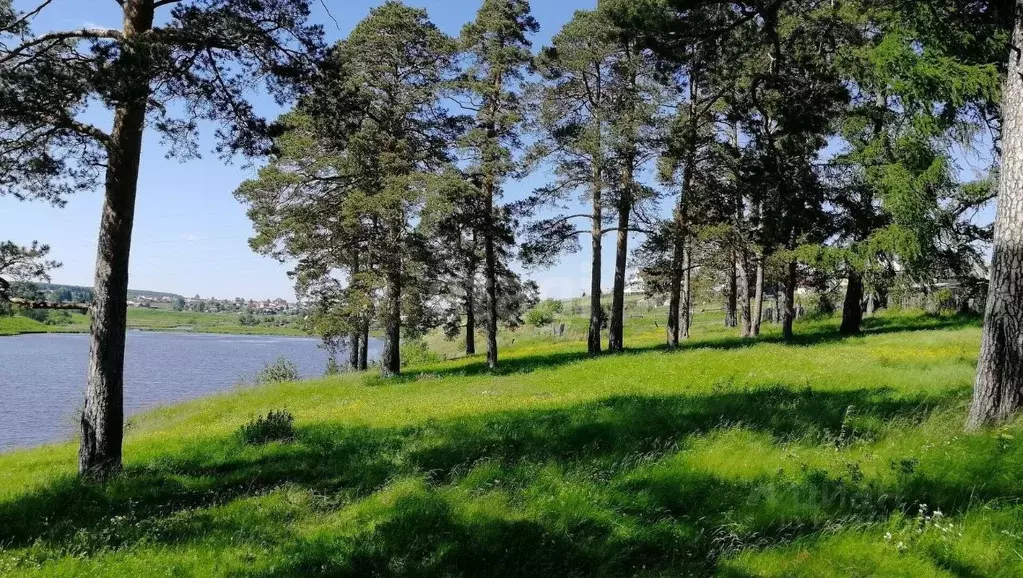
(354,462)
(807,335)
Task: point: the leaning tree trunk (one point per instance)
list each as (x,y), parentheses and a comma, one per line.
(732,301)
(103,415)
(490,266)
(390,364)
(685,320)
(616,339)
(852,309)
(742,281)
(593,345)
(758,298)
(788,313)
(998,391)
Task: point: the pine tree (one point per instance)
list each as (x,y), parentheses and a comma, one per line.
(497,47)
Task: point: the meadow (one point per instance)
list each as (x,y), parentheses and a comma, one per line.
(158,320)
(826,456)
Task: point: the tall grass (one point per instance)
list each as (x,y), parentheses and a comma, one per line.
(826,457)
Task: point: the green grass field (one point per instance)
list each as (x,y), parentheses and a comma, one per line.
(156,320)
(825,457)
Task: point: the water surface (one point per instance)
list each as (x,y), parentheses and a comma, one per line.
(42,377)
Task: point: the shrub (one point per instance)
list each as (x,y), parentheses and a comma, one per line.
(539,317)
(544,312)
(278,372)
(274,426)
(417,352)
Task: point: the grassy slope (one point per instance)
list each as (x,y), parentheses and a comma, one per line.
(153,320)
(827,457)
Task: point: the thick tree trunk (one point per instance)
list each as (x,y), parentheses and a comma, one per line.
(758,298)
(353,350)
(490,266)
(686,306)
(852,309)
(470,311)
(998,391)
(674,326)
(788,313)
(732,299)
(743,283)
(616,339)
(593,345)
(364,346)
(103,415)
(390,363)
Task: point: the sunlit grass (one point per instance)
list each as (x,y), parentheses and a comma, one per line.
(826,457)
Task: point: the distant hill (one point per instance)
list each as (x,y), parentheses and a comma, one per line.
(51,288)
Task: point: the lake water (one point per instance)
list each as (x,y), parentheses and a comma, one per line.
(42,377)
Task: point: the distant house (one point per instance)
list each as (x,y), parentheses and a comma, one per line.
(634,284)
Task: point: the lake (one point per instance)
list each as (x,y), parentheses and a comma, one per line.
(42,377)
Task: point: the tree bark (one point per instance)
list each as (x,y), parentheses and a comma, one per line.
(998,390)
(593,344)
(390,364)
(852,309)
(731,301)
(758,298)
(616,339)
(470,308)
(102,420)
(742,281)
(788,314)
(364,346)
(353,350)
(686,306)
(490,257)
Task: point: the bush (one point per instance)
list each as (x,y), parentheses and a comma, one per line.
(544,313)
(417,352)
(539,317)
(274,426)
(279,371)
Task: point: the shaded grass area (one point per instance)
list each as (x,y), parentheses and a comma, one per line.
(826,457)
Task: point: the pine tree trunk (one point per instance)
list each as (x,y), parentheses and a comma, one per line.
(742,281)
(490,256)
(616,339)
(364,346)
(788,313)
(353,350)
(686,306)
(470,311)
(103,415)
(998,391)
(852,309)
(593,344)
(731,301)
(390,364)
(675,294)
(758,298)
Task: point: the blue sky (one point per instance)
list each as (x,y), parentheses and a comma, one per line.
(190,233)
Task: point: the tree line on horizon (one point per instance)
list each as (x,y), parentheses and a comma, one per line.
(766,143)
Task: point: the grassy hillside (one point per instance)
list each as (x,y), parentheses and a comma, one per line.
(827,457)
(157,320)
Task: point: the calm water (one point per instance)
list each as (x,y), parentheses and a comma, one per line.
(42,377)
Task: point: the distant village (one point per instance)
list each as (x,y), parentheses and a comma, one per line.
(200,304)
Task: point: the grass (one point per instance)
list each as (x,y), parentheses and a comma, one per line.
(826,457)
(157,320)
